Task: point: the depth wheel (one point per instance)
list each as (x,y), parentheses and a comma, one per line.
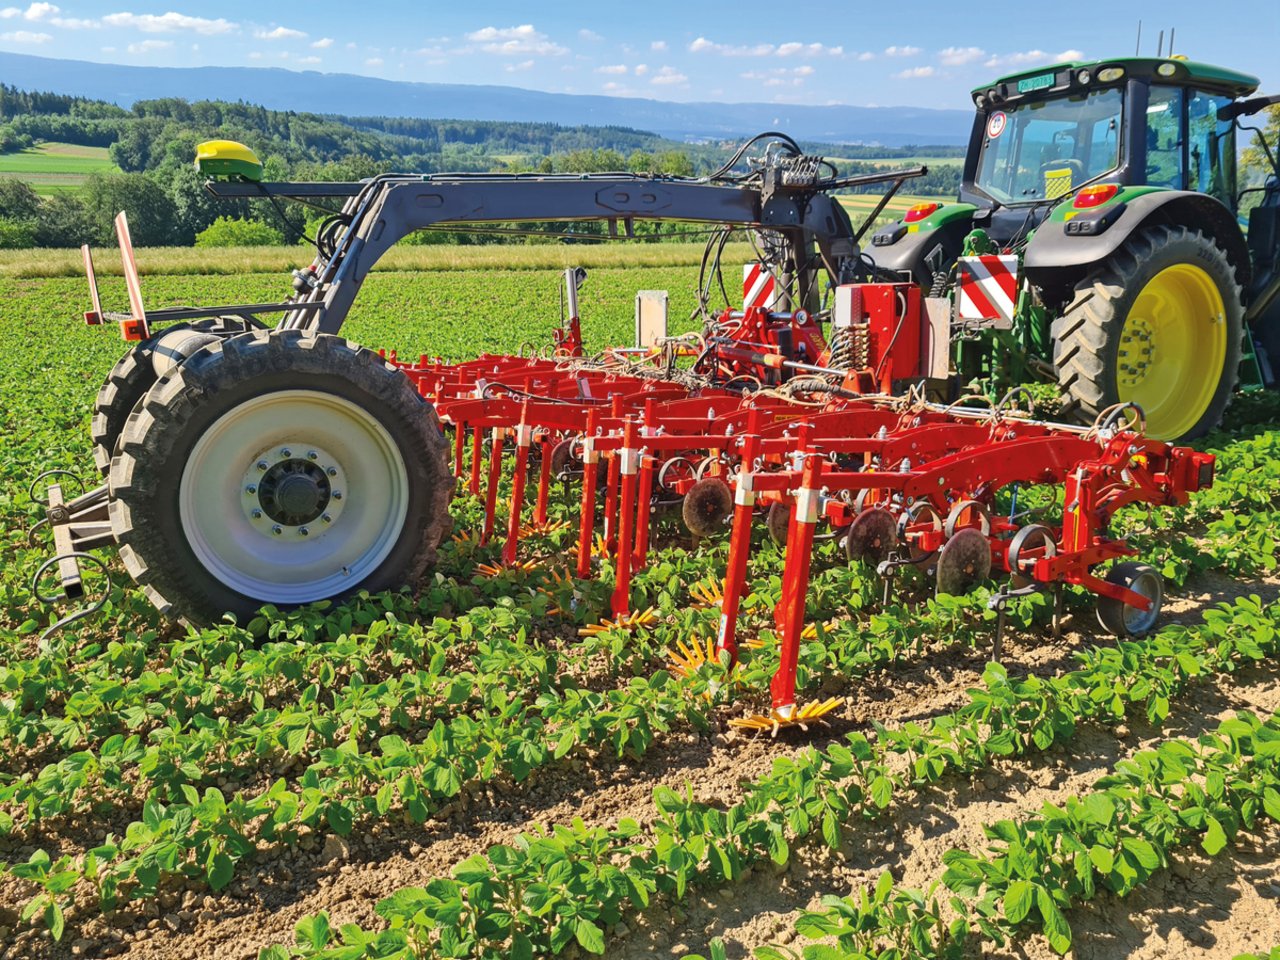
(872,536)
(279,468)
(1122,620)
(964,561)
(1159,324)
(132,376)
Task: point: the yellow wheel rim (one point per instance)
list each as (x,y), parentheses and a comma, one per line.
(1172,348)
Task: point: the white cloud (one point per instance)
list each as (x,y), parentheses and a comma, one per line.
(308,60)
(149,46)
(351,45)
(590,35)
(374,62)
(780,76)
(915,73)
(669,76)
(1031,58)
(641,69)
(515,41)
(324,43)
(902,51)
(703,45)
(279,33)
(960,56)
(170,23)
(658,45)
(521,66)
(38,11)
(25,36)
(866,55)
(616,68)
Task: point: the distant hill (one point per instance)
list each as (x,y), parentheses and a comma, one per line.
(352,95)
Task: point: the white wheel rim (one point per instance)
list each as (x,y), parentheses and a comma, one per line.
(297,559)
(1137,620)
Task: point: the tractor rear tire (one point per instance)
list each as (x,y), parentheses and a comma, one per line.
(278,468)
(1137,330)
(128,382)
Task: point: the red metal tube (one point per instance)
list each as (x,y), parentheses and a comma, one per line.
(795,583)
(477,448)
(735,575)
(495,474)
(644,509)
(524,435)
(626,458)
(586,522)
(544,481)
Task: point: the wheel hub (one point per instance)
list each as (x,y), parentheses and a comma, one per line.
(1137,352)
(293,491)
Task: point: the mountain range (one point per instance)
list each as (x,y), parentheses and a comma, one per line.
(355,95)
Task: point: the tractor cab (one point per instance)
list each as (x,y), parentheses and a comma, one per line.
(1042,137)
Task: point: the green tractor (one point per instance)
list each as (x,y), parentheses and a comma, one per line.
(1100,240)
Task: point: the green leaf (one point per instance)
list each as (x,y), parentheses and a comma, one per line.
(1017,900)
(881,791)
(589,936)
(831,830)
(1102,858)
(220,870)
(1055,924)
(1215,838)
(53,920)
(313,931)
(1143,852)
(340,818)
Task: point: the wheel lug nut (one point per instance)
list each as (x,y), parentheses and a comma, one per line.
(251,488)
(256,514)
(332,471)
(327,519)
(312,455)
(304,531)
(285,452)
(337,494)
(262,465)
(277,530)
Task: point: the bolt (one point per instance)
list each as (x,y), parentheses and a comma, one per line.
(327,519)
(304,531)
(285,452)
(256,514)
(277,530)
(251,488)
(331,471)
(337,494)
(262,465)
(312,455)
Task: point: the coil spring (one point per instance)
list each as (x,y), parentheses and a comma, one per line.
(852,348)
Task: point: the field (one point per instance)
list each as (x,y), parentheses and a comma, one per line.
(457,773)
(54,167)
(861,204)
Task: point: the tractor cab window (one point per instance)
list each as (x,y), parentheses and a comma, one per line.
(1044,150)
(1164,138)
(1211,148)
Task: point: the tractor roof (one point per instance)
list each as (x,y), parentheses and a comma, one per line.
(1058,77)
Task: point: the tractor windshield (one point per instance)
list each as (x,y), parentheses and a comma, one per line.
(1040,151)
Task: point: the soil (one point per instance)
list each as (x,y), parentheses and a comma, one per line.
(1203,907)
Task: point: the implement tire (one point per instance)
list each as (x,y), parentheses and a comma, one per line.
(282,468)
(1160,324)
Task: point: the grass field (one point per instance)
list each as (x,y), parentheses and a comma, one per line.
(457,773)
(53,167)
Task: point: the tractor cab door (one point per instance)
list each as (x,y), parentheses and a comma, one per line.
(1188,147)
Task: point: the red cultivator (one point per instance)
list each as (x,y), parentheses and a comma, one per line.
(902,481)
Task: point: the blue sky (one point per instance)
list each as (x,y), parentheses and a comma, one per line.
(883,53)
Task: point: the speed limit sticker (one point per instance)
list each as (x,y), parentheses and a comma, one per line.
(996,124)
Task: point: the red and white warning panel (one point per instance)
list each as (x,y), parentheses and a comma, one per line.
(989,288)
(759,289)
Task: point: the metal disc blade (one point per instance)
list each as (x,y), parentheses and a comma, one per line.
(778,520)
(707,505)
(872,536)
(963,562)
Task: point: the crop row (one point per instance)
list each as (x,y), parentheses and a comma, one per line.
(571,882)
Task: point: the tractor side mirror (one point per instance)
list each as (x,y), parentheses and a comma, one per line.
(1247,108)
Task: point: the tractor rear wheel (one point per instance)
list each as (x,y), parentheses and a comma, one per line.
(278,467)
(1158,324)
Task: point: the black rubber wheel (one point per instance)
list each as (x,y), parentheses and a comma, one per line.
(278,467)
(1122,620)
(707,505)
(1106,351)
(130,379)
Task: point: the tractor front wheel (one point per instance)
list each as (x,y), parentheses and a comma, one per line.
(1158,324)
(279,468)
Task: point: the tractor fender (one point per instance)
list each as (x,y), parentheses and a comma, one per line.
(921,252)
(1054,256)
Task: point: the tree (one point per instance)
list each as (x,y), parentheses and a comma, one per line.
(228,232)
(17,200)
(63,221)
(16,234)
(151,211)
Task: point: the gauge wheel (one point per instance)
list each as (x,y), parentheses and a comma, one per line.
(1121,619)
(1159,324)
(278,468)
